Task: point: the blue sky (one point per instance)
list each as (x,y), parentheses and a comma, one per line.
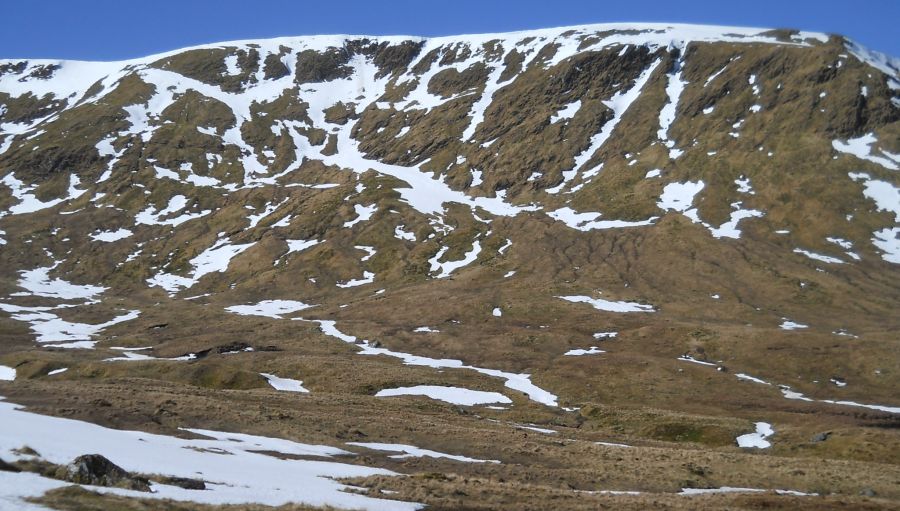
(119,29)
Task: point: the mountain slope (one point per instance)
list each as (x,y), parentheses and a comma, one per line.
(650,234)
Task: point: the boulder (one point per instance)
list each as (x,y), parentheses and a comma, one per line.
(97,470)
(6,467)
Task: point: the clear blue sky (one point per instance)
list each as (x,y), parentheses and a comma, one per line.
(119,29)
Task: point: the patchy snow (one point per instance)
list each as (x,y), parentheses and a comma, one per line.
(609,306)
(731,489)
(744,186)
(426,330)
(593,350)
(410,451)
(787,324)
(758,439)
(269,209)
(152,216)
(516,381)
(163,173)
(730,228)
(284,222)
(720,71)
(846,245)
(300,245)
(688,358)
(880,408)
(491,86)
(57,371)
(132,355)
(231,65)
(269,308)
(497,312)
(605,335)
(285,384)
(452,395)
(652,173)
(885,195)
(370,251)
(37,282)
(679,196)
(674,87)
(20,486)
(214,259)
(28,203)
(818,257)
(50,328)
(612,444)
(248,477)
(363,213)
(7,373)
(862,148)
(619,103)
(537,429)
(476,178)
(755,86)
(368,278)
(401,234)
(747,377)
(567,112)
(448,267)
(590,221)
(789,393)
(888,241)
(110,236)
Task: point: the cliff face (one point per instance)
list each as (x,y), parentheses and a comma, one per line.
(667,199)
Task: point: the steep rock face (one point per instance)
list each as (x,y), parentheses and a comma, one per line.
(727,196)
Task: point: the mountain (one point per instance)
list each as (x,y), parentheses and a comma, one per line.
(630,266)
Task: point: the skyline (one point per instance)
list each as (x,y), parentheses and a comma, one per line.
(107,30)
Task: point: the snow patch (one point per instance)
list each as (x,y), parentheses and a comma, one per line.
(453,395)
(567,112)
(448,267)
(110,236)
(410,451)
(593,350)
(269,308)
(248,477)
(758,439)
(285,384)
(862,148)
(609,306)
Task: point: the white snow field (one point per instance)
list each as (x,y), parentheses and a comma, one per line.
(285,384)
(409,451)
(452,395)
(758,439)
(241,476)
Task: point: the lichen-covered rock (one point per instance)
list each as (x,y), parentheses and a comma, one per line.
(97,470)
